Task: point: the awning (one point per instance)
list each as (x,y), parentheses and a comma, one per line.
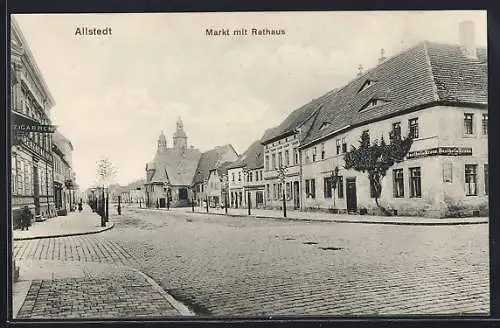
(23,123)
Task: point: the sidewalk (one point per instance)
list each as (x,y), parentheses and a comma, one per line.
(340,218)
(73,289)
(75,223)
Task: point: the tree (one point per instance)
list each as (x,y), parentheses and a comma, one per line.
(105,172)
(377,158)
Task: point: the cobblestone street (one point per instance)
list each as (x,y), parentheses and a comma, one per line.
(229,266)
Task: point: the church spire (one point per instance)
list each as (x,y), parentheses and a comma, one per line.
(162,143)
(180,137)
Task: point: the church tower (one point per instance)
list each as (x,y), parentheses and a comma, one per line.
(180,138)
(162,143)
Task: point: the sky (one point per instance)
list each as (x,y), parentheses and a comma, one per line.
(115,93)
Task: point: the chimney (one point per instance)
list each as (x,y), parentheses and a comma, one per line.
(382,57)
(360,70)
(467,39)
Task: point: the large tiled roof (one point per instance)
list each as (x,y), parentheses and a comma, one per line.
(211,159)
(424,74)
(296,118)
(252,158)
(173,167)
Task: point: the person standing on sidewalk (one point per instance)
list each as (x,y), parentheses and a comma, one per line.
(25,218)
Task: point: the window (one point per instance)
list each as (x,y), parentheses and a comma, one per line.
(327,187)
(486,184)
(485,124)
(267,162)
(287,158)
(288,190)
(280,160)
(314,154)
(470,179)
(323,151)
(344,145)
(310,188)
(256,175)
(295,156)
(261,175)
(368,134)
(468,123)
(396,127)
(13,174)
(239,176)
(398,183)
(338,146)
(250,176)
(233,176)
(280,191)
(415,182)
(274,191)
(340,187)
(413,127)
(268,193)
(274,160)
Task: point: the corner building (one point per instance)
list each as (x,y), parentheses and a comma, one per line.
(435,92)
(31,152)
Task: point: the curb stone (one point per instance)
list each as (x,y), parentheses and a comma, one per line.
(349,221)
(112,224)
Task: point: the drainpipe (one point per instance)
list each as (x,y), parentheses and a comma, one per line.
(300,179)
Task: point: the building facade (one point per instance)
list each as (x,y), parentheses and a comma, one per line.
(31,152)
(65,199)
(246,178)
(434,93)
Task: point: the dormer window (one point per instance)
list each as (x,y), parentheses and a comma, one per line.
(324,125)
(366,85)
(374,102)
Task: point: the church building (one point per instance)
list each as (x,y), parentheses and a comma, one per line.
(176,174)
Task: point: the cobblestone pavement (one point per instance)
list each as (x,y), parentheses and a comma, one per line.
(104,297)
(248,266)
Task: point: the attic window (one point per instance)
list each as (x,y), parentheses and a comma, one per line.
(324,125)
(374,102)
(366,85)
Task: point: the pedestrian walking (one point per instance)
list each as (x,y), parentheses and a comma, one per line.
(80,206)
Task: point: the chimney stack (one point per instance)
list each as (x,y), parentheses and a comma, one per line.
(467,39)
(382,57)
(360,70)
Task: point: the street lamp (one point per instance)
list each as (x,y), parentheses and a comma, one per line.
(335,180)
(282,176)
(225,191)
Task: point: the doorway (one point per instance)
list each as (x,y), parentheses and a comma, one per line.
(351,197)
(296,193)
(162,202)
(36,191)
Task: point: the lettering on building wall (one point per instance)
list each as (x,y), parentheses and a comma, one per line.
(440,151)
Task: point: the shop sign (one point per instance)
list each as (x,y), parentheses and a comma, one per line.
(441,151)
(40,128)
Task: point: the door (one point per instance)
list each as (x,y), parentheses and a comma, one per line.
(296,193)
(36,191)
(351,197)
(162,202)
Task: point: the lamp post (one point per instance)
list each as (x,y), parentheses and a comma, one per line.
(282,176)
(246,174)
(335,180)
(119,205)
(225,191)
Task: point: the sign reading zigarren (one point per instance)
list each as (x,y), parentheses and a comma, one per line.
(441,151)
(41,128)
